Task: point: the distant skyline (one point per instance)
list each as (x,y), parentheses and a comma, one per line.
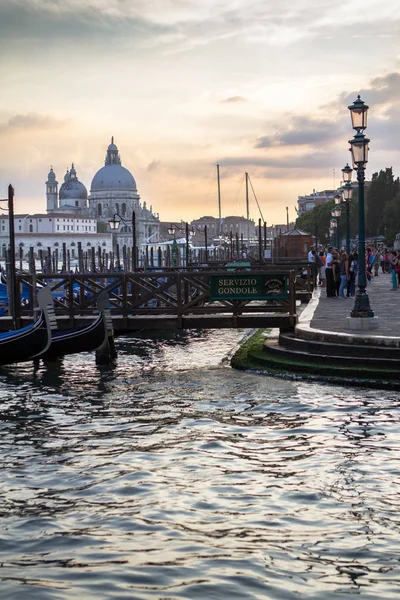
(252,85)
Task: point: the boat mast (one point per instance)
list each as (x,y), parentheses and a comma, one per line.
(219,201)
(247,197)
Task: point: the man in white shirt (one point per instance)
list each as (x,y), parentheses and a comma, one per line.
(330,284)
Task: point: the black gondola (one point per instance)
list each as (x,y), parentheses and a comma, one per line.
(31,341)
(82,339)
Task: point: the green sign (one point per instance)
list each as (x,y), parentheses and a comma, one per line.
(249,287)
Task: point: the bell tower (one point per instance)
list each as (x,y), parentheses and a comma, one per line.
(51,191)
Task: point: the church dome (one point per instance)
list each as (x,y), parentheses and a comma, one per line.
(72,188)
(113,176)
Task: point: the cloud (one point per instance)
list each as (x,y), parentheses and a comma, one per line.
(233,100)
(191,23)
(302,131)
(154,166)
(32,121)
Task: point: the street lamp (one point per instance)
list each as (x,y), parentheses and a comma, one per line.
(114,224)
(359,153)
(188,232)
(347,193)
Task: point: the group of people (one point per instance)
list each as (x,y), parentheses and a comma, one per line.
(337,271)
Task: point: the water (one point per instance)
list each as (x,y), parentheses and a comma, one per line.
(173,477)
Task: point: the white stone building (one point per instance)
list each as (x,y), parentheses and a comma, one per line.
(73,216)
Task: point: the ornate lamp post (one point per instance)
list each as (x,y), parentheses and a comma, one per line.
(359,153)
(114,224)
(188,232)
(347,193)
(336,212)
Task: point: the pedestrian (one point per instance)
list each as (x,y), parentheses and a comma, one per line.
(330,284)
(336,272)
(322,268)
(343,274)
(393,262)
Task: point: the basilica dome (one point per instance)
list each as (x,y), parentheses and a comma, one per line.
(113,176)
(72,188)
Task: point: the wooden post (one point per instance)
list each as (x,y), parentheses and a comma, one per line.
(64,257)
(32,270)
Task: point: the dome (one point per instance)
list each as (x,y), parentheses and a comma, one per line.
(51,176)
(113,176)
(72,189)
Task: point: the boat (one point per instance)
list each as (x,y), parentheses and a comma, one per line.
(83,339)
(31,341)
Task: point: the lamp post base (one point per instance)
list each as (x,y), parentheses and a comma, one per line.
(362,307)
(362,323)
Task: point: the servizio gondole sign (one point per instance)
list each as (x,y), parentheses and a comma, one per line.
(249,287)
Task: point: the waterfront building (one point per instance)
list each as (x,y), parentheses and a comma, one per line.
(73,215)
(310,201)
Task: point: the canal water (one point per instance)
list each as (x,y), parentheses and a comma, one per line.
(173,476)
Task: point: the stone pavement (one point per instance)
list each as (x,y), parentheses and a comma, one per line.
(328,315)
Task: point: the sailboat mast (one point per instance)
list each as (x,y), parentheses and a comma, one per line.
(219,201)
(247,197)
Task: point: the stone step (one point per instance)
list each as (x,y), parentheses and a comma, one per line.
(326,348)
(358,365)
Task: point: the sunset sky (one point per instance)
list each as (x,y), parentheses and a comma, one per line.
(253,85)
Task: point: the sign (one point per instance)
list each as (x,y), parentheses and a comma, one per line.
(249,287)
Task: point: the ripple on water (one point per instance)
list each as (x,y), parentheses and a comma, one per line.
(172,476)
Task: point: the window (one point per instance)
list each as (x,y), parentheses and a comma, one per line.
(99,211)
(30,228)
(58,228)
(19,227)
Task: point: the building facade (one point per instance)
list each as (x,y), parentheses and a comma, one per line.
(73,215)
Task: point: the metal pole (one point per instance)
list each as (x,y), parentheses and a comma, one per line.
(361,305)
(259,239)
(206,242)
(337,234)
(134,249)
(187,243)
(247,197)
(348,227)
(219,201)
(14,300)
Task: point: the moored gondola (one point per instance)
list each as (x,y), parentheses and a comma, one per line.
(83,339)
(31,341)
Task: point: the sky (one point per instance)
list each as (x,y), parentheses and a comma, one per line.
(256,86)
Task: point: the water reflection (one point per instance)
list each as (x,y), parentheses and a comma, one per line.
(172,476)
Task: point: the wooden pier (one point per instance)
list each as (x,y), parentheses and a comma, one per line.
(175,299)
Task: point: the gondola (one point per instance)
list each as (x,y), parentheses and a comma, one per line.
(31,341)
(82,339)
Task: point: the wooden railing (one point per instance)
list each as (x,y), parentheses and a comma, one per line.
(165,299)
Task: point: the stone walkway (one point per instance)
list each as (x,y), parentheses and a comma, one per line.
(329,314)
